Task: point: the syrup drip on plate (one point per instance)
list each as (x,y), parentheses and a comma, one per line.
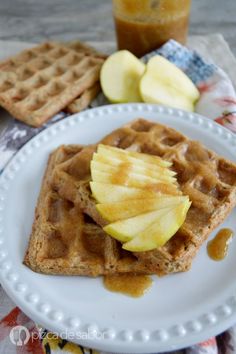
(217,248)
(134,285)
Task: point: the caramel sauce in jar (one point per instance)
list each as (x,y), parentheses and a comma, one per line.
(217,248)
(134,285)
(145,25)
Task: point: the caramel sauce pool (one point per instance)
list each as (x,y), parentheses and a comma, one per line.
(217,248)
(134,285)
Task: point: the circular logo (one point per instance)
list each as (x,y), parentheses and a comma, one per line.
(19,335)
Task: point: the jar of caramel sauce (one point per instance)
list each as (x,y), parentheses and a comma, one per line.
(145,25)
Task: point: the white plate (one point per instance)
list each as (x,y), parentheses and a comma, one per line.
(179,310)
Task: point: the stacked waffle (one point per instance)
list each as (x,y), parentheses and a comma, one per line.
(67,236)
(64,239)
(41,81)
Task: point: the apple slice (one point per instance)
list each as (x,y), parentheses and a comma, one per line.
(127,209)
(139,164)
(120,76)
(127,229)
(166,84)
(134,180)
(131,170)
(111,151)
(160,231)
(112,193)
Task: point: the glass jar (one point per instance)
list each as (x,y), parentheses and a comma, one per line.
(145,25)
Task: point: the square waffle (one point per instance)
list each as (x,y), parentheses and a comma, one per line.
(41,81)
(208,179)
(65,240)
(84,100)
(85,49)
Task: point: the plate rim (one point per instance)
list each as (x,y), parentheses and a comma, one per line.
(141,341)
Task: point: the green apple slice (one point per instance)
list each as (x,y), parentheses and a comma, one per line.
(139,164)
(164,94)
(160,231)
(127,209)
(120,76)
(166,84)
(112,193)
(131,170)
(134,180)
(127,229)
(112,151)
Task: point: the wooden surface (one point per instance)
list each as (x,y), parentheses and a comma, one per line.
(34,21)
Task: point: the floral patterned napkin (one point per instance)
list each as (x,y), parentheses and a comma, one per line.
(217,102)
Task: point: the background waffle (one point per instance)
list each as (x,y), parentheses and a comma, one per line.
(208,179)
(84,100)
(41,81)
(64,240)
(85,49)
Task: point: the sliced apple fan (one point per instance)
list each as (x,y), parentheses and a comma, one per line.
(139,196)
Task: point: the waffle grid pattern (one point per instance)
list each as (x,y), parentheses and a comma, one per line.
(39,82)
(66,241)
(208,179)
